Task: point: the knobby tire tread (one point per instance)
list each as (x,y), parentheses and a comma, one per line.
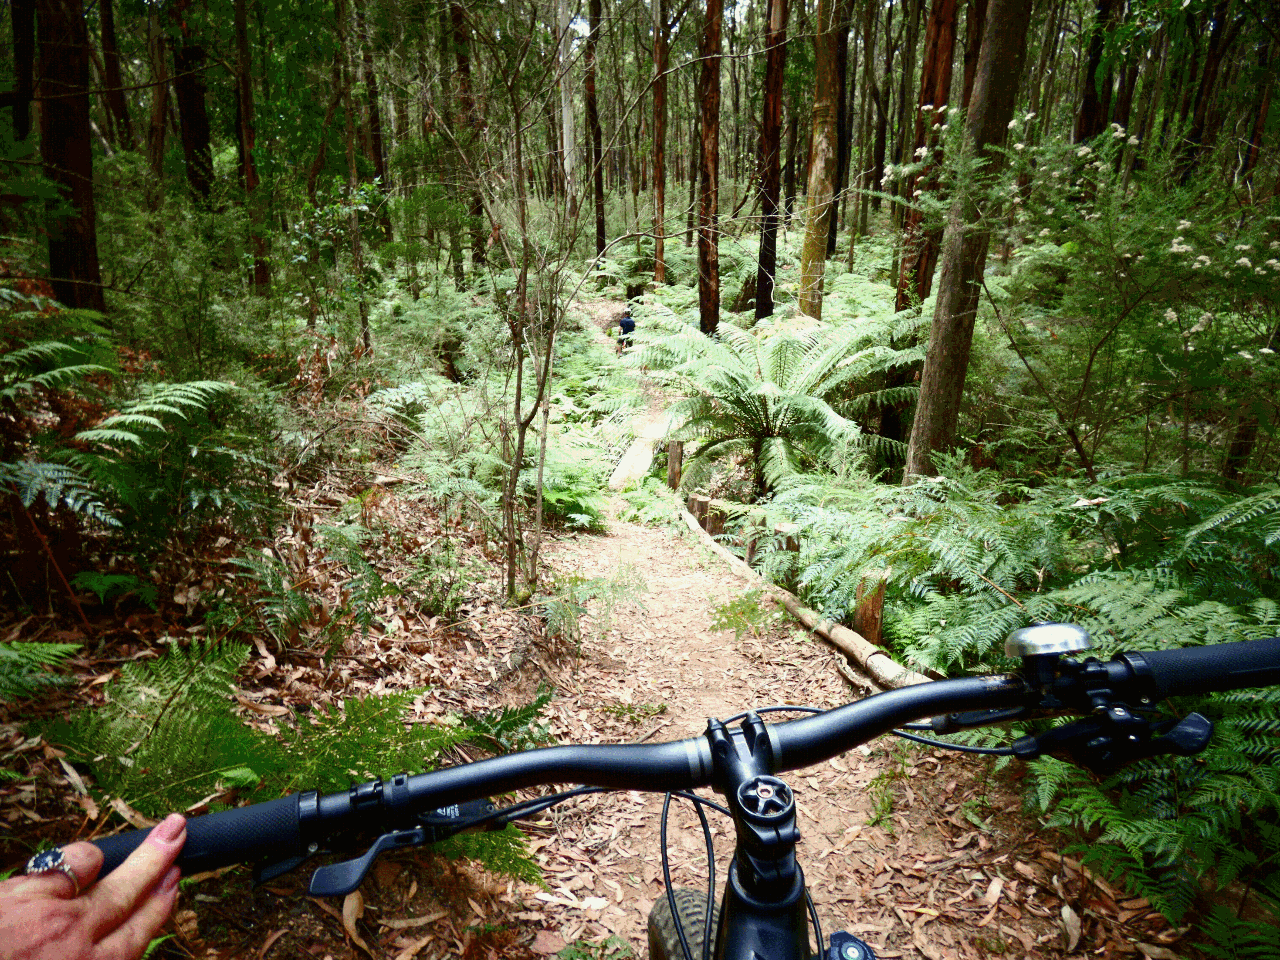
(664,941)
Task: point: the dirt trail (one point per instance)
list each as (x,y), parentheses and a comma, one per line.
(885,882)
(923,853)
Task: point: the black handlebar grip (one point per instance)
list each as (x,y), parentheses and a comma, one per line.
(240,835)
(1219,666)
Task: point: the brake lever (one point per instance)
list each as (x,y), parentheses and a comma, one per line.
(339,879)
(1116,737)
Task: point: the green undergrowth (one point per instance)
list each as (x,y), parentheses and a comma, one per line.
(166,738)
(1143,561)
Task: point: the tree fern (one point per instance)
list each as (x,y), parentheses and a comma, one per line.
(755,394)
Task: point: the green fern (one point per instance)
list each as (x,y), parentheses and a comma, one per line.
(59,485)
(25,668)
(41,366)
(513,728)
(755,394)
(166,737)
(165,734)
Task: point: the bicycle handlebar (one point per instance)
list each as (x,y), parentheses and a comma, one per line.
(289,828)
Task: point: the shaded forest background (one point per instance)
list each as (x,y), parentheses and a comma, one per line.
(970,308)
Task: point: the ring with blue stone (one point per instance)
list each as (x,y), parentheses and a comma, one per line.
(51,861)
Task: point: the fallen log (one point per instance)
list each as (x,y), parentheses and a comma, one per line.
(878,665)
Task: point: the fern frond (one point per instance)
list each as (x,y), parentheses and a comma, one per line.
(24,667)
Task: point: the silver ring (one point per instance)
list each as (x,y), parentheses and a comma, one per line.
(50,861)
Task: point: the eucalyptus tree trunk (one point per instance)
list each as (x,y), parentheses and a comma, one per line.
(1095,98)
(771,155)
(158,120)
(376,144)
(844,119)
(189,90)
(566,108)
(593,124)
(660,40)
(822,165)
(66,151)
(975,18)
(353,182)
(964,247)
(709,171)
(920,246)
(113,95)
(247,139)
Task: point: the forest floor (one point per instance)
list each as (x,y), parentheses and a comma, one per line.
(922,854)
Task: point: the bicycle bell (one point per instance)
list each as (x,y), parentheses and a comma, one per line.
(1041,644)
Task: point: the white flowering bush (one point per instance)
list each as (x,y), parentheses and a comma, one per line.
(1139,320)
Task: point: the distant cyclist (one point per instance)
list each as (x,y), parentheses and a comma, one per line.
(628,327)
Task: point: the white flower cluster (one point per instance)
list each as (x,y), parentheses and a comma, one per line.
(1084,151)
(1244,262)
(1201,261)
(1117,132)
(1179,247)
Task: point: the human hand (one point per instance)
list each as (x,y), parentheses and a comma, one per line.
(45,917)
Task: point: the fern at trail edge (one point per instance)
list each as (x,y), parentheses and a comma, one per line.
(1141,562)
(165,738)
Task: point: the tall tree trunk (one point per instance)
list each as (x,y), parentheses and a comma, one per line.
(23,20)
(156,53)
(353,179)
(567,139)
(904,140)
(1202,134)
(1095,98)
(864,178)
(695,162)
(247,135)
(844,119)
(771,155)
(880,94)
(593,124)
(789,177)
(660,40)
(377,143)
(822,165)
(975,18)
(117,106)
(919,246)
(66,152)
(709,171)
(964,255)
(1260,116)
(193,114)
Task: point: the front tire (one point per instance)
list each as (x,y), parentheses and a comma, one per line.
(691,907)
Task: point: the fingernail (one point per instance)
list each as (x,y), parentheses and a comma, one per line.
(169,829)
(170,880)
